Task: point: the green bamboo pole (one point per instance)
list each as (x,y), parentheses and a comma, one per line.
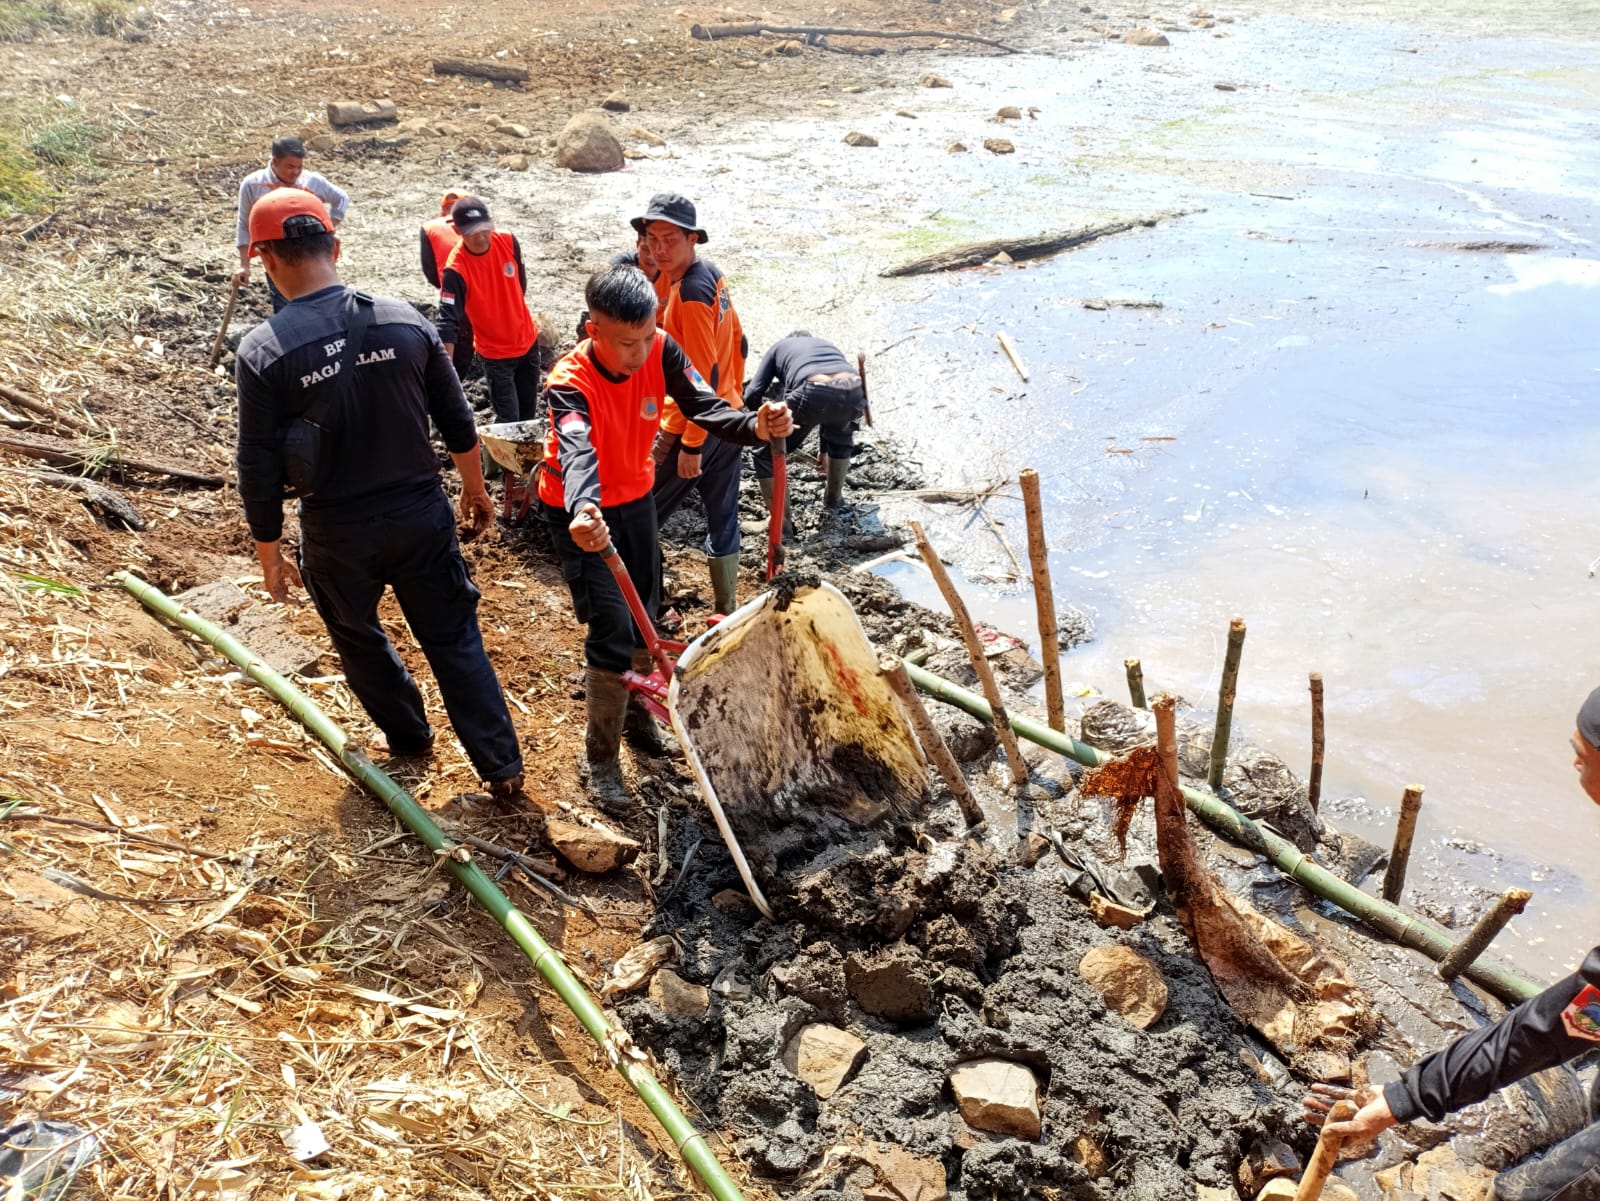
(611,1039)
(1225,698)
(1408,931)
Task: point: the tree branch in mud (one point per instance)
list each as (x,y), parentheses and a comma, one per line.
(752,29)
(96,458)
(1039,246)
(105,502)
(480,69)
(39,408)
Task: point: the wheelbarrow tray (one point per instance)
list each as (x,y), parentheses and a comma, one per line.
(780,709)
(518,446)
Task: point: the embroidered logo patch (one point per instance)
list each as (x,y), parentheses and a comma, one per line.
(695,378)
(648,408)
(1582,1017)
(510,268)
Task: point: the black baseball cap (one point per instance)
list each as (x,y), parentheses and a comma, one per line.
(672,208)
(469,215)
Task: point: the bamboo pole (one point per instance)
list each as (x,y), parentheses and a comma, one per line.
(1044,600)
(893,672)
(227,320)
(1225,695)
(1510,903)
(1136,683)
(975,655)
(612,1040)
(1314,781)
(1403,928)
(1394,876)
(1325,1155)
(1014,355)
(1167,736)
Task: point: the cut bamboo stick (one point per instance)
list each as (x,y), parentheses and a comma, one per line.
(1167,735)
(1225,695)
(1044,601)
(1314,782)
(894,674)
(1465,953)
(1011,353)
(980,662)
(1135,684)
(1325,1155)
(1394,877)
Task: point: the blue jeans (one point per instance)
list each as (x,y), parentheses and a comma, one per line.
(409,546)
(718,485)
(834,407)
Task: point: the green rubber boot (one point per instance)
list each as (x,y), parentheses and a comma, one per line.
(607,705)
(833,493)
(724,582)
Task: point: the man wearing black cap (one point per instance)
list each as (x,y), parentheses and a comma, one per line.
(697,312)
(335,395)
(822,389)
(485,282)
(1558,1025)
(286,170)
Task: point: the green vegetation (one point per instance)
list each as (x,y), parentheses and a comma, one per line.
(21,188)
(21,20)
(42,145)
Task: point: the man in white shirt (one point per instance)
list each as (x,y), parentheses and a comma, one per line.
(286,170)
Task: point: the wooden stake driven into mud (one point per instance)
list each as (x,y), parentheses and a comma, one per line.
(1135,684)
(1044,601)
(1462,956)
(1394,876)
(894,674)
(1325,1155)
(1225,695)
(1314,781)
(1167,734)
(980,662)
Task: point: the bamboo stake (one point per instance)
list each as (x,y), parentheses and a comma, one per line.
(1394,877)
(1230,686)
(1044,600)
(227,320)
(1511,902)
(894,674)
(1136,683)
(1326,1154)
(1011,353)
(979,661)
(1167,735)
(1314,783)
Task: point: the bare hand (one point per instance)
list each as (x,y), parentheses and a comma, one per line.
(241,277)
(477,510)
(278,574)
(1372,1112)
(773,421)
(588,528)
(661,449)
(688,463)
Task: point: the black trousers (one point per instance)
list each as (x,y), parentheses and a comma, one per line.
(410,547)
(834,408)
(596,599)
(514,385)
(464,352)
(1568,1171)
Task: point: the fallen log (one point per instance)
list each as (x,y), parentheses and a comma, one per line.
(62,453)
(28,404)
(754,29)
(1039,246)
(104,502)
(480,69)
(342,113)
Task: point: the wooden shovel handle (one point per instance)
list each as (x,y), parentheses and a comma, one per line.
(1325,1156)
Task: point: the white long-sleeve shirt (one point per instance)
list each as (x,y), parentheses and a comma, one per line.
(258,183)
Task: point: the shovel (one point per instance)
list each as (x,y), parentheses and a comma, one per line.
(227,320)
(780,496)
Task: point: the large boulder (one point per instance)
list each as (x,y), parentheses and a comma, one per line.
(588,143)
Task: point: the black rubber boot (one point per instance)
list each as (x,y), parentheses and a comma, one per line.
(639,727)
(833,493)
(1568,1171)
(607,704)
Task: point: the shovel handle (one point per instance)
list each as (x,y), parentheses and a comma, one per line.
(227,320)
(780,498)
(619,572)
(1325,1156)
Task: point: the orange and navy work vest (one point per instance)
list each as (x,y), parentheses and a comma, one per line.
(699,314)
(622,418)
(502,326)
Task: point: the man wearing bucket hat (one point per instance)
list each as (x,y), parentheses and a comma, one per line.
(697,313)
(335,395)
(1557,1026)
(439,238)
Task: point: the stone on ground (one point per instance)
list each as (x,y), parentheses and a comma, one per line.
(997,1095)
(930,80)
(902,1176)
(640,134)
(1144,37)
(586,143)
(1127,982)
(1283,1189)
(322,143)
(823,1056)
(1437,1173)
(955,148)
(616,103)
(590,848)
(1111,913)
(860,139)
(677,997)
(1009,112)
(265,629)
(515,162)
(999,146)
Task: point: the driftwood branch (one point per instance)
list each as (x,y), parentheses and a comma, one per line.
(62,453)
(480,69)
(1039,246)
(39,408)
(105,502)
(752,29)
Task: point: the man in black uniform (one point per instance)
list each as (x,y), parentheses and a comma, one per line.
(377,515)
(1558,1025)
(822,390)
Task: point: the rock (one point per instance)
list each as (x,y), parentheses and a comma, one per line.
(640,134)
(634,154)
(901,1175)
(677,997)
(730,900)
(590,848)
(969,741)
(265,629)
(1033,849)
(860,139)
(998,146)
(587,144)
(930,80)
(515,131)
(824,1056)
(494,120)
(789,49)
(1112,914)
(1009,112)
(1328,1066)
(1087,1152)
(955,148)
(1436,1173)
(322,143)
(1283,1189)
(616,103)
(891,984)
(447,130)
(1204,1192)
(514,162)
(1269,1160)
(1127,982)
(1144,37)
(997,1095)
(906,113)
(353,112)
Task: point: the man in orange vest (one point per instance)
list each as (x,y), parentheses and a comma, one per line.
(606,398)
(485,281)
(439,238)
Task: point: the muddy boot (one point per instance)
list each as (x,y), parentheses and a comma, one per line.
(1570,1169)
(724,582)
(607,704)
(639,727)
(833,494)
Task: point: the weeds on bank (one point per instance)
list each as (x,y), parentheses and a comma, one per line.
(21,20)
(40,143)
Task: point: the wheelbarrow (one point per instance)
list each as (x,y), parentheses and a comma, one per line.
(518,447)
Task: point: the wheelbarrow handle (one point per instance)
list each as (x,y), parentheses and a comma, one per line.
(619,572)
(780,498)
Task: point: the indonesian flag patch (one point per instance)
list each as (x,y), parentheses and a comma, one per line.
(1582,1017)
